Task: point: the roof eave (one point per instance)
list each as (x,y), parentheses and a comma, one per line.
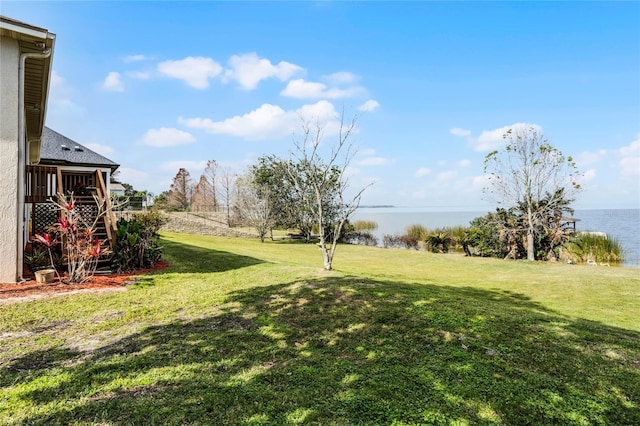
(32,39)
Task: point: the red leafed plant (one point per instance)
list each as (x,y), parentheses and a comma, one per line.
(81,248)
(49,242)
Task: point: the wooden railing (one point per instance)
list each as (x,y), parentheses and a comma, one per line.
(42,183)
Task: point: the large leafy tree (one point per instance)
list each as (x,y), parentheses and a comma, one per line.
(533,177)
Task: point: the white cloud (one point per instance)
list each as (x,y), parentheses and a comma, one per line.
(301,89)
(113,82)
(342,77)
(630,160)
(370,105)
(195,71)
(586,177)
(194,168)
(493,139)
(373,161)
(479,182)
(60,98)
(137,178)
(164,137)
(367,152)
(135,58)
(269,121)
(249,69)
(105,150)
(460,132)
(139,75)
(423,171)
(588,158)
(463,163)
(446,176)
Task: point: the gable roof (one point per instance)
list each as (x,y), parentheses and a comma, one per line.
(60,150)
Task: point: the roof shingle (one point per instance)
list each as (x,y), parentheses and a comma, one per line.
(59,149)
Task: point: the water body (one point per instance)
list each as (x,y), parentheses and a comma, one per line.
(621,224)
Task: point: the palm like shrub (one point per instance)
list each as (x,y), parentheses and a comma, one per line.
(439,242)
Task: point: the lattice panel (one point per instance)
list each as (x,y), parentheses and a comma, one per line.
(44,215)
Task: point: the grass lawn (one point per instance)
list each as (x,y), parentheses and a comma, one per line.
(238,332)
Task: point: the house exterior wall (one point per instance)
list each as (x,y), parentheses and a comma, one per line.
(9,64)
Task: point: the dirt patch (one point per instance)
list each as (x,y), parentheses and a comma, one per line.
(31,290)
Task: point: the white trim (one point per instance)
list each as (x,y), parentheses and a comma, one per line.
(20,29)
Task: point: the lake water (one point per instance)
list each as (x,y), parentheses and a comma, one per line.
(621,224)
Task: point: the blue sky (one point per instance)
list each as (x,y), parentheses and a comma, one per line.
(159,85)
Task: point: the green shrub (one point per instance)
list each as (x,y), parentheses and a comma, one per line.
(137,242)
(585,246)
(400,241)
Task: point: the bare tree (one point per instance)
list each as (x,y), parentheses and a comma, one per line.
(533,177)
(253,202)
(326,181)
(210,194)
(179,196)
(227,184)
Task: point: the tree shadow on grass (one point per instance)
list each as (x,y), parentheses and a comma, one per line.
(186,258)
(348,351)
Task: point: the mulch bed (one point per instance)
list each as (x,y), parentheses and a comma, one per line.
(97,282)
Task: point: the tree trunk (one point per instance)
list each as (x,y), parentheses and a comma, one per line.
(531,251)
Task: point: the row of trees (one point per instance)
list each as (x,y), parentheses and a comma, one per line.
(308,191)
(533,183)
(215,191)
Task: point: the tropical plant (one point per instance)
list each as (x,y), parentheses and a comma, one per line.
(438,242)
(37,259)
(81,247)
(136,243)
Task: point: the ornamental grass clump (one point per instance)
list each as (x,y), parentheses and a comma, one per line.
(586,246)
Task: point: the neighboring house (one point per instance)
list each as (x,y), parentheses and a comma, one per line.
(26,53)
(117,189)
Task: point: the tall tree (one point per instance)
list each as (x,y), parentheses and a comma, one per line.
(326,181)
(200,199)
(179,196)
(210,194)
(253,203)
(227,185)
(533,177)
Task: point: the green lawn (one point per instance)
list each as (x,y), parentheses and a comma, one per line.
(238,332)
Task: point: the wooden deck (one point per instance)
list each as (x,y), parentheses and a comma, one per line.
(44,183)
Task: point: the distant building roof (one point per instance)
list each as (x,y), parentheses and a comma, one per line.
(60,150)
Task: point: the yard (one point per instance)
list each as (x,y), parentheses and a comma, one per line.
(239,332)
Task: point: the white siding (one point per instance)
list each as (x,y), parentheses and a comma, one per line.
(9,61)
